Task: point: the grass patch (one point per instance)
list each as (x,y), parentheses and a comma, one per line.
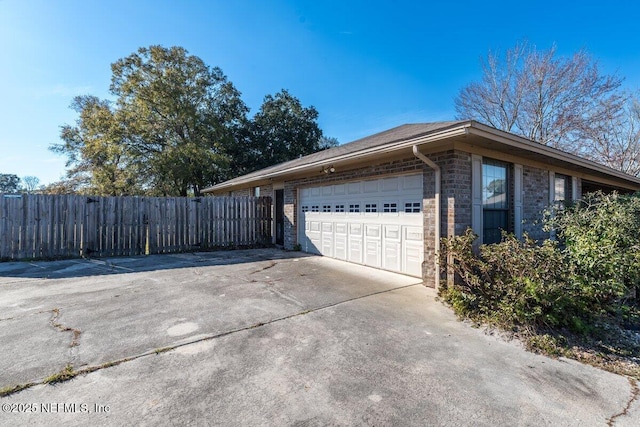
(65,375)
(163,350)
(8,390)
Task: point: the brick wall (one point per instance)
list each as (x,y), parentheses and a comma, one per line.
(245,192)
(266,191)
(455,192)
(290,215)
(535,198)
(429,232)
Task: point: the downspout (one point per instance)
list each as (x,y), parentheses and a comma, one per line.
(438,175)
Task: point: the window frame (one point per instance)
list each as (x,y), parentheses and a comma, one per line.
(488,212)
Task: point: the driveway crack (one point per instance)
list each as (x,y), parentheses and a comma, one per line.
(271,265)
(69,373)
(75,337)
(271,286)
(635,394)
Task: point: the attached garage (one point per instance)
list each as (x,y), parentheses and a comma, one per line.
(375,222)
(386,200)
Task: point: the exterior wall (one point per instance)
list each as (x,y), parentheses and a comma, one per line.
(535,198)
(245,192)
(429,271)
(266,191)
(290,215)
(455,192)
(455,201)
(455,197)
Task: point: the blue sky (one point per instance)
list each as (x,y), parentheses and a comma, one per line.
(365,65)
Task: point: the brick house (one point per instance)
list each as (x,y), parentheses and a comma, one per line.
(385,200)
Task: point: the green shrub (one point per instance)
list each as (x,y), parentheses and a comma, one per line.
(575,284)
(601,235)
(518,283)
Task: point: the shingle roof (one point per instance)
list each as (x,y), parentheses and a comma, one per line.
(400,133)
(408,135)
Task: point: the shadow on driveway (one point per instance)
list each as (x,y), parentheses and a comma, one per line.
(73,268)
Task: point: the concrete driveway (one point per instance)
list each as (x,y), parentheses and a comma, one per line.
(265,337)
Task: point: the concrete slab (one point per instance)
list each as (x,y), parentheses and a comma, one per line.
(271,338)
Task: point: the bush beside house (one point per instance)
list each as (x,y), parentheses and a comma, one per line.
(573,296)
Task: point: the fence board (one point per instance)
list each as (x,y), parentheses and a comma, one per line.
(48,226)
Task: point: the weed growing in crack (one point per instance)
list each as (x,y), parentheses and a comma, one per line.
(11,389)
(75,341)
(65,375)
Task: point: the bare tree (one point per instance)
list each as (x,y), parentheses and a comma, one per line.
(615,141)
(548,99)
(30,183)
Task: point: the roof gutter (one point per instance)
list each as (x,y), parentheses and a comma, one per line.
(438,179)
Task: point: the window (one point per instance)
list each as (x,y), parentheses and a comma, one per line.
(562,189)
(354,208)
(390,207)
(371,207)
(339,208)
(495,200)
(305,208)
(256,191)
(326,208)
(315,208)
(412,207)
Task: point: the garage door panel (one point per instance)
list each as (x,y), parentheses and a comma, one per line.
(327,238)
(372,231)
(370,186)
(372,253)
(340,247)
(413,234)
(390,184)
(355,229)
(366,222)
(392,253)
(413,255)
(392,232)
(412,182)
(314,236)
(392,248)
(354,187)
(354,248)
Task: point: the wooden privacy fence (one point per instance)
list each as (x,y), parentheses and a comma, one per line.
(57,226)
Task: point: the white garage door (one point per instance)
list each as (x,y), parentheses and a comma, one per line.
(376,222)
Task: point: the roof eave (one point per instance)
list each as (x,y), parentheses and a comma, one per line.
(450,132)
(523,143)
(460,129)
